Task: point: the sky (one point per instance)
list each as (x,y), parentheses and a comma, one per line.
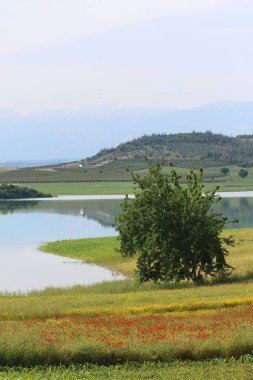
(75,54)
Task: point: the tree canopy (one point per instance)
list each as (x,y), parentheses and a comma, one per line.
(172,227)
(224,170)
(243,173)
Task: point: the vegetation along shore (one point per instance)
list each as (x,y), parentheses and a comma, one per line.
(9,191)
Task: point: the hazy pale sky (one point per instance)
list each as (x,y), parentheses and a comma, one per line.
(57,54)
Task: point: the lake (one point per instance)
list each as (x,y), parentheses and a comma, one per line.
(25,224)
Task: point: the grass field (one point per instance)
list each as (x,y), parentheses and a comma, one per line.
(221,369)
(84,188)
(228,183)
(73,181)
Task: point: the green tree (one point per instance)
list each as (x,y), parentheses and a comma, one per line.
(10,191)
(243,173)
(224,170)
(172,228)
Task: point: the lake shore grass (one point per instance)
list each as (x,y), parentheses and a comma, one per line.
(124,321)
(84,188)
(106,252)
(101,251)
(115,188)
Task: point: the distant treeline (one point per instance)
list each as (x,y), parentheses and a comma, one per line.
(185,146)
(9,191)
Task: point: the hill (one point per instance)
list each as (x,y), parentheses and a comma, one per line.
(182,149)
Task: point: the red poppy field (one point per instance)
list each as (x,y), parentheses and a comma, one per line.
(117,338)
(124,331)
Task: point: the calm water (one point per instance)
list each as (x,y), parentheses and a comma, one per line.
(24,225)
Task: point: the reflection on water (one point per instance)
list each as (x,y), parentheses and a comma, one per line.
(238,208)
(26,224)
(8,207)
(103,211)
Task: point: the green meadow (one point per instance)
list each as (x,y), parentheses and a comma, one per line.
(179,370)
(103,181)
(231,182)
(84,188)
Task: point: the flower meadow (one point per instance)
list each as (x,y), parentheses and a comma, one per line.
(110,339)
(126,331)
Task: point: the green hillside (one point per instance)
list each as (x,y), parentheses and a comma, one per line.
(184,150)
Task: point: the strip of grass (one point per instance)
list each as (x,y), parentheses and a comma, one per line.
(100,251)
(213,369)
(84,188)
(115,188)
(88,301)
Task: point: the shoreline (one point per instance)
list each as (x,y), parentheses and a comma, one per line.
(223,194)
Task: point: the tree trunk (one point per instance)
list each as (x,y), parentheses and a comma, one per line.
(196,278)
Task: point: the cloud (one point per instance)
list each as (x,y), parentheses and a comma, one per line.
(35,24)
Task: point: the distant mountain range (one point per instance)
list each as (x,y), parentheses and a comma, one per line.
(55,134)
